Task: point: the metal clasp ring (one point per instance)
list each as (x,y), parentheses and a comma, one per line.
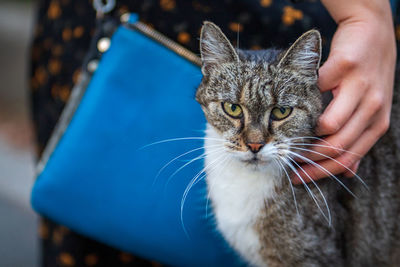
(103,6)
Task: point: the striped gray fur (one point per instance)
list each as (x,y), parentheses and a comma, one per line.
(364,231)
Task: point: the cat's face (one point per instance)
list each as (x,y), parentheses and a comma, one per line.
(259,108)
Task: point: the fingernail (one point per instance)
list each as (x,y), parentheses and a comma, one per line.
(356,166)
(296,179)
(353,168)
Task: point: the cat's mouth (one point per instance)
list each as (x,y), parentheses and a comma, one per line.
(254,160)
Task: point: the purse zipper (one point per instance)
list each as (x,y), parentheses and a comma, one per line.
(160,38)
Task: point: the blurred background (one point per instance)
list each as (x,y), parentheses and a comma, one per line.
(18,223)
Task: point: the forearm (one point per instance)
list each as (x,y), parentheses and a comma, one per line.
(362,22)
(345,10)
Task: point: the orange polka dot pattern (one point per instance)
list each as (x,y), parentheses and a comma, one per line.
(61,38)
(290,15)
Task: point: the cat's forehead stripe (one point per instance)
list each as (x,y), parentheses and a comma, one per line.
(256,85)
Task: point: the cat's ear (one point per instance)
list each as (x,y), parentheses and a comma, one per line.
(215,48)
(305,54)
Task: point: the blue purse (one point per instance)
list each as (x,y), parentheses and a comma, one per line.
(108,171)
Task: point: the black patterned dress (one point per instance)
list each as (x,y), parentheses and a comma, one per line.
(62,36)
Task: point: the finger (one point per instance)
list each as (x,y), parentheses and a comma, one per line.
(354,168)
(342,163)
(330,74)
(339,143)
(341,108)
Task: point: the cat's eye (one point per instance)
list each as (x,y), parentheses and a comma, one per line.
(233,110)
(280,113)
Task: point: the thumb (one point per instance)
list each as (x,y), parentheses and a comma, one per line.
(330,74)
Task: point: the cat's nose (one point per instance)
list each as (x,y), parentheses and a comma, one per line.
(255,147)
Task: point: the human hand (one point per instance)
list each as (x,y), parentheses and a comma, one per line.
(360,73)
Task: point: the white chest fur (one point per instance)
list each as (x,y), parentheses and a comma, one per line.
(238,194)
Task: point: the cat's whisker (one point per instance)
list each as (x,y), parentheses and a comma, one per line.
(202,156)
(328,145)
(341,164)
(237,37)
(190,185)
(319,190)
(193,160)
(290,183)
(183,200)
(309,137)
(325,146)
(306,187)
(323,169)
(211,169)
(290,165)
(213,164)
(182,155)
(305,137)
(181,139)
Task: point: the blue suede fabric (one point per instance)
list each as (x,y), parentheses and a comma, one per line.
(103,178)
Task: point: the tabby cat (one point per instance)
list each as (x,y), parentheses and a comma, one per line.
(262,108)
